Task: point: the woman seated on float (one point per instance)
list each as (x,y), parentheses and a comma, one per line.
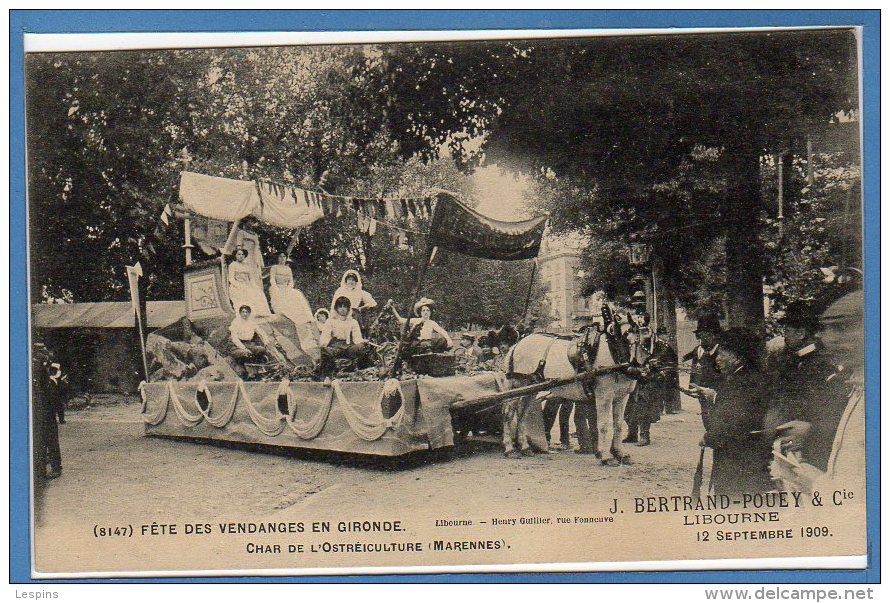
(321,317)
(359,299)
(426,335)
(290,301)
(286,298)
(245,289)
(341,337)
(246,339)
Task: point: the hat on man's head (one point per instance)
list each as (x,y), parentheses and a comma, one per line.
(424,301)
(708,322)
(468,337)
(800,314)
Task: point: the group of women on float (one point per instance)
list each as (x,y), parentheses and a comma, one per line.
(339,330)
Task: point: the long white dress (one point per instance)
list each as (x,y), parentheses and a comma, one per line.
(286,299)
(291,302)
(244,290)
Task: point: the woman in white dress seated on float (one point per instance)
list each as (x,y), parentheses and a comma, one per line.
(291,302)
(244,287)
(361,301)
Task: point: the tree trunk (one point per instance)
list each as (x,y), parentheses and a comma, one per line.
(667,317)
(744,262)
(669,320)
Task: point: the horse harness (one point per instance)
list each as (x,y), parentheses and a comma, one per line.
(576,358)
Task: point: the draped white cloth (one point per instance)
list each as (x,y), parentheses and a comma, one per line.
(286,299)
(232,200)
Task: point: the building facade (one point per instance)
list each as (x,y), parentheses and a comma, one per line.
(559,269)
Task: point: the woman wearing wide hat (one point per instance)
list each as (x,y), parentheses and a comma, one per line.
(426,334)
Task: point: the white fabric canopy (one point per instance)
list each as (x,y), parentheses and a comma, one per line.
(232,200)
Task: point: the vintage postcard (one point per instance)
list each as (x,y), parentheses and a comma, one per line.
(510,301)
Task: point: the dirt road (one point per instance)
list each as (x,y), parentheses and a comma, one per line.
(111,469)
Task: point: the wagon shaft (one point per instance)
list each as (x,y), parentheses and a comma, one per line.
(533,388)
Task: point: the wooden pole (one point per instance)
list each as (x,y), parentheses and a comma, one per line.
(293,242)
(187,231)
(780,216)
(142,343)
(230,240)
(186,161)
(531,286)
(654,321)
(403,340)
(536,387)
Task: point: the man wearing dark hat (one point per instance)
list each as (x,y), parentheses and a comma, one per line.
(60,390)
(806,385)
(704,371)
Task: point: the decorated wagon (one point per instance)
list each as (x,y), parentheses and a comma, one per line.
(195,390)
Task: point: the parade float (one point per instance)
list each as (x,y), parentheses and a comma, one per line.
(194,390)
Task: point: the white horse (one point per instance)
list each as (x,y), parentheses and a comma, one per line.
(539,357)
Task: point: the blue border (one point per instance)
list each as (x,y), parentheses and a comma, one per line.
(321,20)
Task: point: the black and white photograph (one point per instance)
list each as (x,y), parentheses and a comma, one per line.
(580,301)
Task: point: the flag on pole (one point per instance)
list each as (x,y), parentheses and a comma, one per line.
(140,309)
(134,273)
(166,215)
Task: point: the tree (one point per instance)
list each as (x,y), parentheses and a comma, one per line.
(100,158)
(821,233)
(105,130)
(614,118)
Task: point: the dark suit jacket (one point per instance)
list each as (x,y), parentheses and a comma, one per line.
(740,458)
(808,388)
(704,370)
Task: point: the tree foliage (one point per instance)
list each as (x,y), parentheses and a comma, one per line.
(654,135)
(105,136)
(657,137)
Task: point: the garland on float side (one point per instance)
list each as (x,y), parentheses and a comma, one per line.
(371,428)
(270,427)
(157,418)
(368,428)
(182,414)
(309,429)
(223,419)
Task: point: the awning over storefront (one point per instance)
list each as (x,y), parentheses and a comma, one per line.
(103,315)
